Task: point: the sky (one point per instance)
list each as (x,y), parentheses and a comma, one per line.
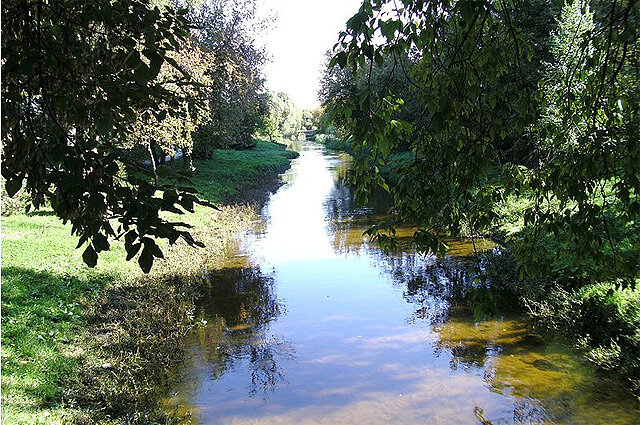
(296,43)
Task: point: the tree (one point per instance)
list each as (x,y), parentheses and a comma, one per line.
(284,117)
(175,130)
(317,122)
(506,107)
(75,77)
(342,88)
(236,94)
(307,120)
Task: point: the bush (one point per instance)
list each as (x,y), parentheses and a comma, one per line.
(331,141)
(324,138)
(208,138)
(603,317)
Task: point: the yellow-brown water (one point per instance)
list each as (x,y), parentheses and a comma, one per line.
(309,324)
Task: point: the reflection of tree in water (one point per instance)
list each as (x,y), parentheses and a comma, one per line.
(341,203)
(342,170)
(238,305)
(437,287)
(525,411)
(348,220)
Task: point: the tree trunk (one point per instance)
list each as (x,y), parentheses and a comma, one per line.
(153,163)
(187,161)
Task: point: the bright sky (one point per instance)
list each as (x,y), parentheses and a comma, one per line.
(303,31)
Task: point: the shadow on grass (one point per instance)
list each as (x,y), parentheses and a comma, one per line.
(42,213)
(102,346)
(41,320)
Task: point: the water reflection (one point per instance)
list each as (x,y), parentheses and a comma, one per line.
(368,337)
(548,382)
(233,332)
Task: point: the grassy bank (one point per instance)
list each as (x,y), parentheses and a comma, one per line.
(242,176)
(572,295)
(94,345)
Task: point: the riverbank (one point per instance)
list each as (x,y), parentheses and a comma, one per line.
(94,345)
(570,296)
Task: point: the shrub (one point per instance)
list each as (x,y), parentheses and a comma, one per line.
(331,141)
(206,139)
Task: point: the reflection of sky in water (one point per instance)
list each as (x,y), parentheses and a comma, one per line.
(318,328)
(296,215)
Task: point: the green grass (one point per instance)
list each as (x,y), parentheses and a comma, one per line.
(229,173)
(45,285)
(47,291)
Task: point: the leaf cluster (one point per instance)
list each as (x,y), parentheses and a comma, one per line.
(501,98)
(75,76)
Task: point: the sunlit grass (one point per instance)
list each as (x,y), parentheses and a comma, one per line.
(230,172)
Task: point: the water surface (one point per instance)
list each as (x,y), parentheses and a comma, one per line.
(309,324)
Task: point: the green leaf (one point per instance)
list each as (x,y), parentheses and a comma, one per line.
(132,250)
(146,260)
(90,257)
(367,50)
(170,195)
(134,60)
(129,237)
(341,59)
(155,250)
(13,186)
(155,59)
(143,74)
(100,242)
(356,21)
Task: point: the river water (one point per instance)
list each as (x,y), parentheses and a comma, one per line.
(310,324)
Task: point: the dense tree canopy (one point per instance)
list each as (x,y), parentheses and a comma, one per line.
(75,76)
(496,99)
(86,84)
(174,130)
(237,98)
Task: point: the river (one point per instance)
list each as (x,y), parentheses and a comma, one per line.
(310,324)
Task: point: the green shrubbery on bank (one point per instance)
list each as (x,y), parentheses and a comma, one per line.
(569,294)
(95,345)
(601,318)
